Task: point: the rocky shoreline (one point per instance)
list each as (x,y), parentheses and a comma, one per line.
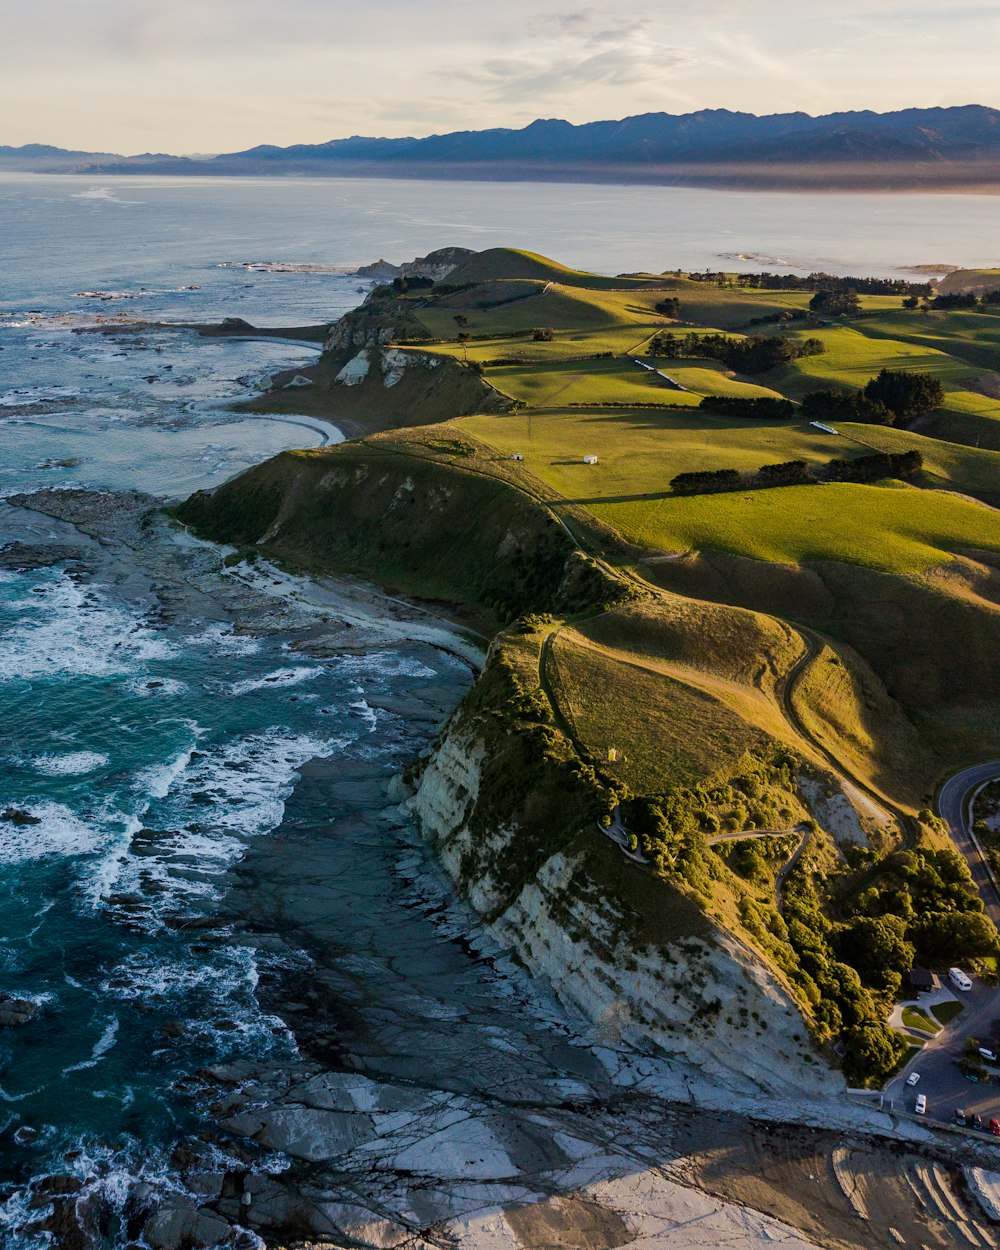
(439,1097)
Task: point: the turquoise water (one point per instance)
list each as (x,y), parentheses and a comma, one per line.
(140,757)
(140,760)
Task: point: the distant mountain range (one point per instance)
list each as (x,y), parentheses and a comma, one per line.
(936,147)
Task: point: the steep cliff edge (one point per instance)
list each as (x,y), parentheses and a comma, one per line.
(515,824)
(706,944)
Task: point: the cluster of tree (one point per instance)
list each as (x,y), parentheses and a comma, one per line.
(706,481)
(835,302)
(957,300)
(669,307)
(762,408)
(756,353)
(876,467)
(844,406)
(814,282)
(845,1008)
(543,334)
(402,285)
(915,906)
(923,907)
(779,318)
(873,468)
(894,397)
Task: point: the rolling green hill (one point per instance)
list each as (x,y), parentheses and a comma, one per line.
(802,662)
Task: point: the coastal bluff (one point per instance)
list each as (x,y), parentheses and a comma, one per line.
(687,990)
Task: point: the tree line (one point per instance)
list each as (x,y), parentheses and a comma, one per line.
(866,469)
(766,281)
(756,353)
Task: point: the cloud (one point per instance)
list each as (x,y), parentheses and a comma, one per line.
(217,75)
(572,51)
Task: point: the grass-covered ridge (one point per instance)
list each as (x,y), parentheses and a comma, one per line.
(769,682)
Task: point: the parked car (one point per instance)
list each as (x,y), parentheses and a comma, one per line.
(986,1053)
(959,1115)
(913,1078)
(977,1121)
(995,1127)
(921,1104)
(958,978)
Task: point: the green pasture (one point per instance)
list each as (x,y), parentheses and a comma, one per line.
(666,731)
(641,450)
(971,469)
(896,528)
(515,263)
(616,381)
(583,320)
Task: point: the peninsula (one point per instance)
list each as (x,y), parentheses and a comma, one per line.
(735,539)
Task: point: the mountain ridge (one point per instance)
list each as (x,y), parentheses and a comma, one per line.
(935,144)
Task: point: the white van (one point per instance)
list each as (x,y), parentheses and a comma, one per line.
(958,979)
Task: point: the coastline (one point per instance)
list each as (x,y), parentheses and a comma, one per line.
(875,179)
(437,1092)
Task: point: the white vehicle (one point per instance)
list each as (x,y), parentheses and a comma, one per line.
(921,1104)
(991,1055)
(913,1078)
(958,979)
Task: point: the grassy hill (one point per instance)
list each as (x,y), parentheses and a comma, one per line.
(507,263)
(746,673)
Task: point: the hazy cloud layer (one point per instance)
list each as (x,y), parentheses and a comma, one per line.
(216,75)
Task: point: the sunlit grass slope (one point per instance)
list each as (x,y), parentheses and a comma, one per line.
(640,450)
(510,262)
(896,528)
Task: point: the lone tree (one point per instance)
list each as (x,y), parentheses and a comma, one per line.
(543,334)
(836,303)
(669,307)
(906,395)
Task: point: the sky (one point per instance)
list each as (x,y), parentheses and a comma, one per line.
(203,76)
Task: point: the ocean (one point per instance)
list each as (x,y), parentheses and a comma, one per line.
(143,753)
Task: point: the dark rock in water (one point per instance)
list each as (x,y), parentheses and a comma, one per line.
(26,556)
(153,685)
(236,323)
(202,797)
(57,1186)
(25,1135)
(18,816)
(183,1228)
(14,1011)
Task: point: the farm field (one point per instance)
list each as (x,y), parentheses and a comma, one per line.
(641,450)
(896,528)
(613,382)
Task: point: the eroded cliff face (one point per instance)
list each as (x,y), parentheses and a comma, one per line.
(698,995)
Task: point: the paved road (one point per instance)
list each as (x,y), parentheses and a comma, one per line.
(940,1078)
(953,807)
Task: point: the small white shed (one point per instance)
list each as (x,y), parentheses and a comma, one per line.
(590,460)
